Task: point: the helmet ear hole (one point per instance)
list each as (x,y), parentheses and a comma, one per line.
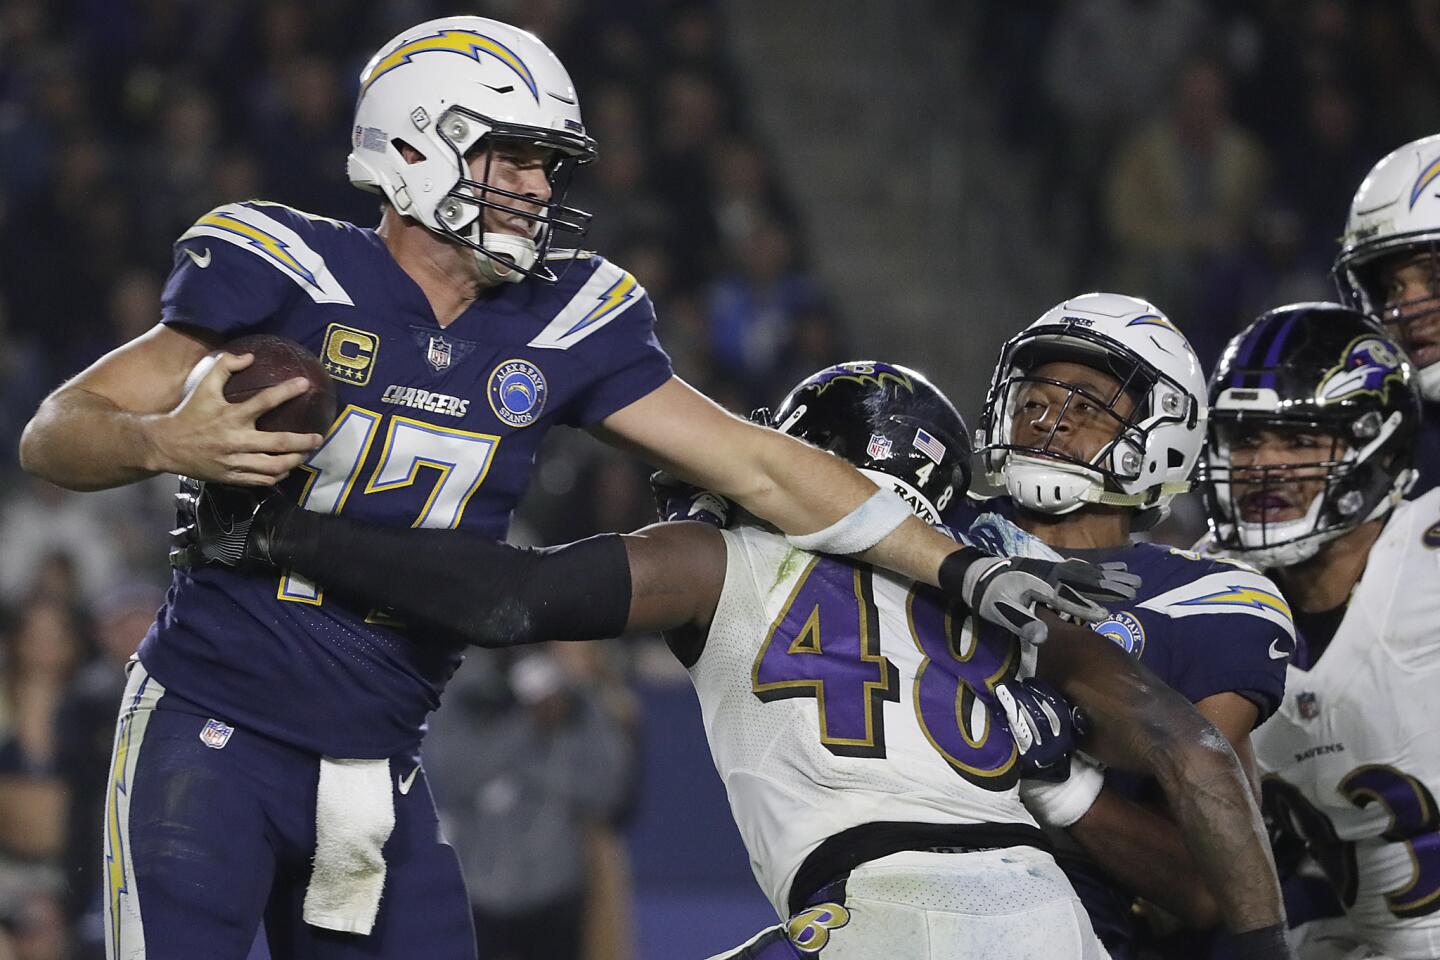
(410,153)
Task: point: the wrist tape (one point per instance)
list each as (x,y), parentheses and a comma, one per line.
(858,530)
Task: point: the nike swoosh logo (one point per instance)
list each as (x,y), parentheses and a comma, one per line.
(201,262)
(406,782)
(1275,652)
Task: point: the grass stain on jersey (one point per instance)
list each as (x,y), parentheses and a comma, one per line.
(793,557)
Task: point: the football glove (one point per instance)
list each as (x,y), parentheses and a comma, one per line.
(232,526)
(678,500)
(1005,590)
(1043,724)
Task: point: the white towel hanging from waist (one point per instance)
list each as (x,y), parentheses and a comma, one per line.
(354,816)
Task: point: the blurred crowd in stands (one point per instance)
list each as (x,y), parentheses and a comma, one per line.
(1201,153)
(123,121)
(1205,151)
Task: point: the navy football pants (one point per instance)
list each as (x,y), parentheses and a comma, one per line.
(202,843)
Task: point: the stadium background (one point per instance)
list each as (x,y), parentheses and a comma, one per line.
(794,183)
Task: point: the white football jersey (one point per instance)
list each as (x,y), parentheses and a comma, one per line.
(835,695)
(1352,760)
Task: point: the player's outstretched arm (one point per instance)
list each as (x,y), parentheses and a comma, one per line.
(127,417)
(825,505)
(1141,725)
(463,586)
(1140,847)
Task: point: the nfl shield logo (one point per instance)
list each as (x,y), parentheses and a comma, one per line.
(1307,705)
(216,734)
(439,353)
(878,448)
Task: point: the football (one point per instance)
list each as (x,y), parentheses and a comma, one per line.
(278,359)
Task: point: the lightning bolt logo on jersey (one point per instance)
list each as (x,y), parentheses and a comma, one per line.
(1205,626)
(437,428)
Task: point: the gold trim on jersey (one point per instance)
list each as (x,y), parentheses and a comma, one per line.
(962,643)
(875,691)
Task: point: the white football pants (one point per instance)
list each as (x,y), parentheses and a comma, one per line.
(1007,904)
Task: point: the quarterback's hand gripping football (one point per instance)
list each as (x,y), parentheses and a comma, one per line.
(232,526)
(208,437)
(1005,590)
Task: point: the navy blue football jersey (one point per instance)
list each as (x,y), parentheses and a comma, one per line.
(1203,625)
(438,427)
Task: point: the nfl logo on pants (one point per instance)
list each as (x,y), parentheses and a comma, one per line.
(216,734)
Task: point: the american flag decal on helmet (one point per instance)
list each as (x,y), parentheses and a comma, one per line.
(929,446)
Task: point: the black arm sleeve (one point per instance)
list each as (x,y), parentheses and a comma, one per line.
(486,593)
(1266,943)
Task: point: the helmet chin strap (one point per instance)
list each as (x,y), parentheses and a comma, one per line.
(1046,486)
(501,250)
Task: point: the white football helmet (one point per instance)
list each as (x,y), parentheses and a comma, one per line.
(1156,445)
(441,87)
(1396,212)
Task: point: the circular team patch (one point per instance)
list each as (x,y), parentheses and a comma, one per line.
(1125,630)
(517,392)
(1431,537)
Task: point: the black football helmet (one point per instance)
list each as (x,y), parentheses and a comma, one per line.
(1319,372)
(890,422)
